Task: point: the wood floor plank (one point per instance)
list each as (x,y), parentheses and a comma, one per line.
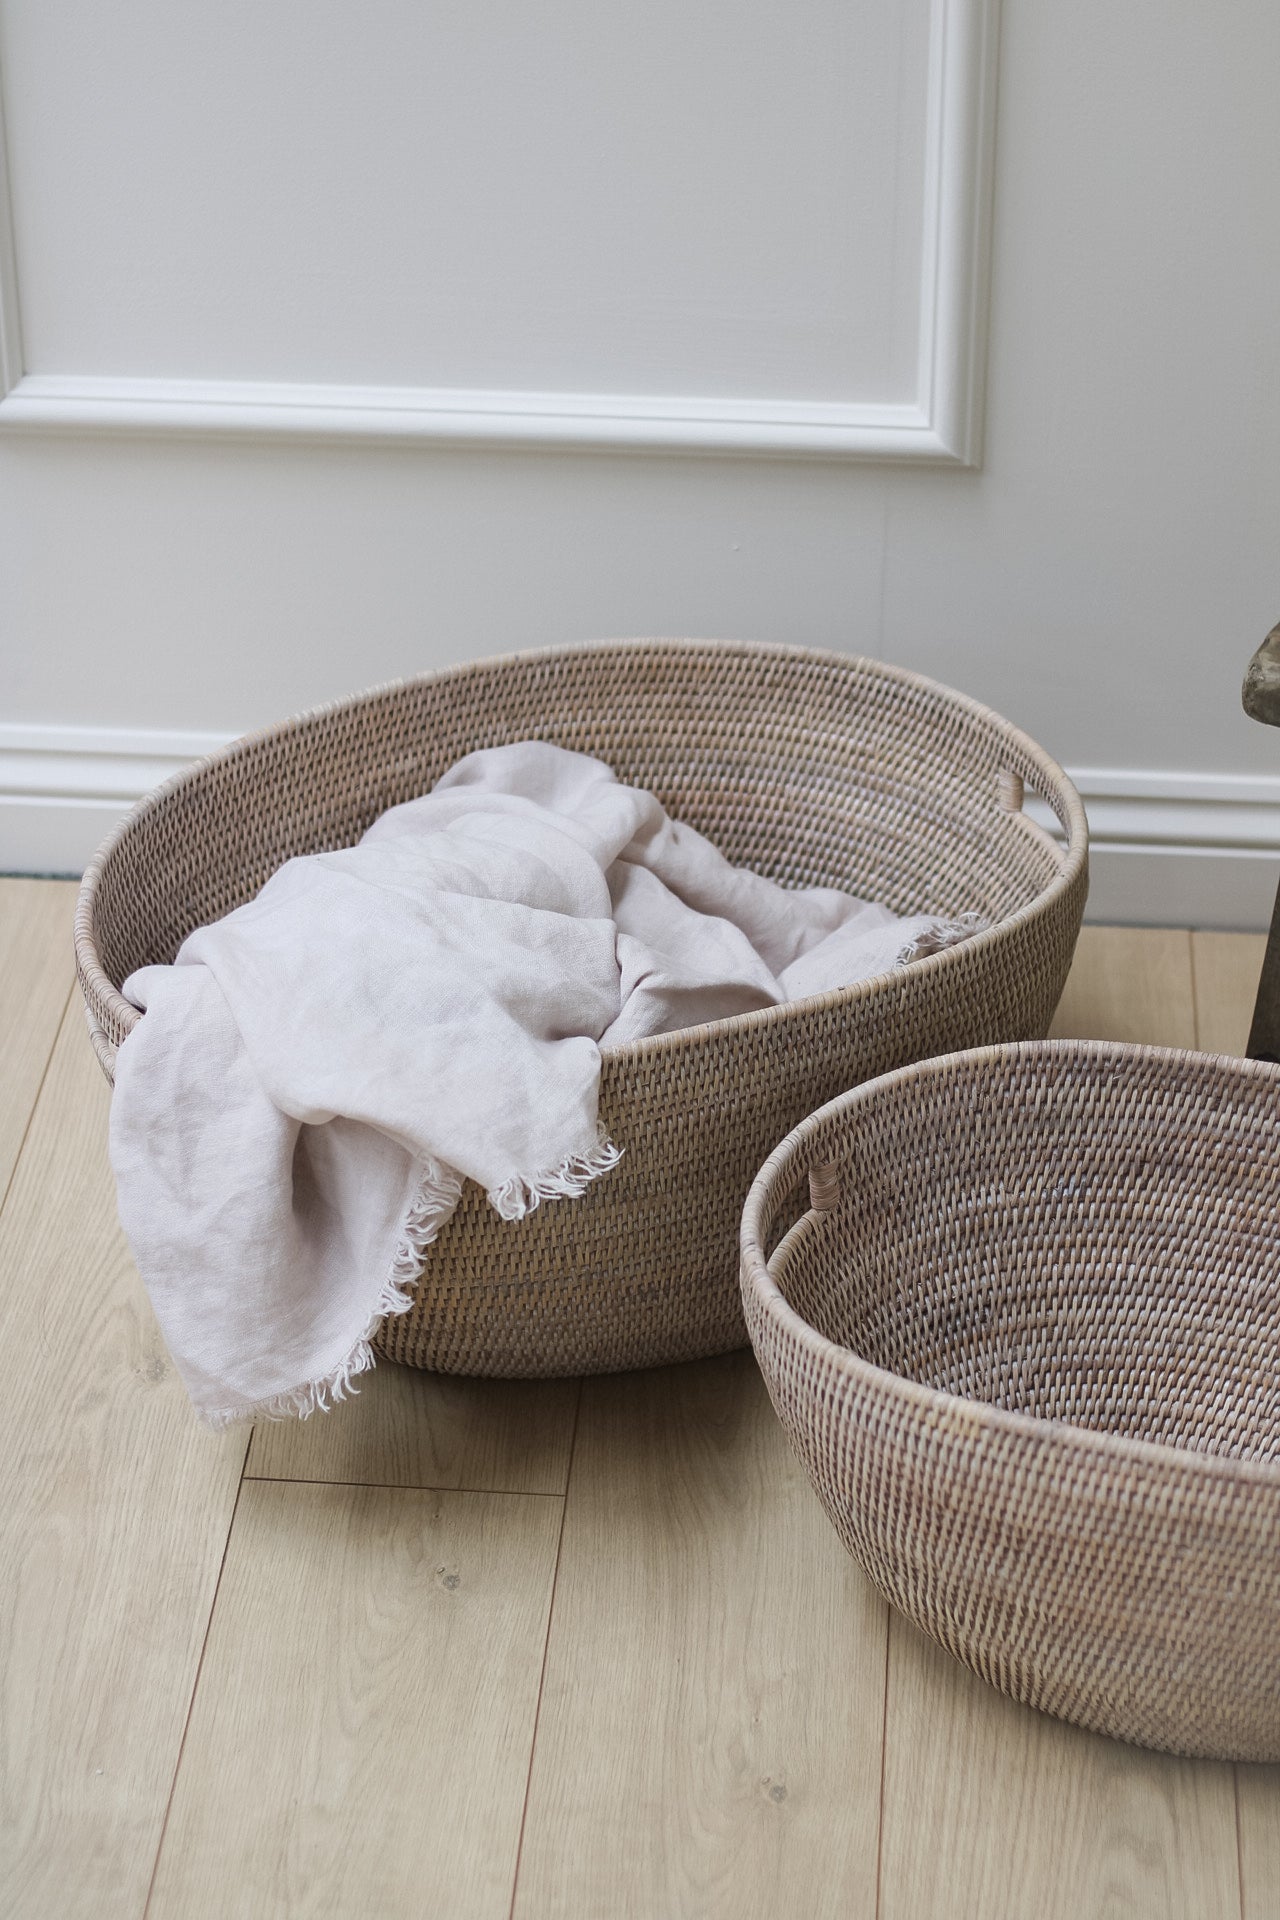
(406,1428)
(114,1511)
(1227,966)
(1130,983)
(710,1735)
(992,1812)
(360,1738)
(1258,1789)
(36,972)
(710,1739)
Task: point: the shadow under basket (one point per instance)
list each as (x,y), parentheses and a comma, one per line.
(815,769)
(1026,1341)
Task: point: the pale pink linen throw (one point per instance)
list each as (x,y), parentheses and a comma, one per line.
(318,1073)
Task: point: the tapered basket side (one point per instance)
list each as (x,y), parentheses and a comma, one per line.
(812,768)
(1028,1354)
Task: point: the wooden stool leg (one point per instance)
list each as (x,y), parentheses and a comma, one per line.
(1264,1034)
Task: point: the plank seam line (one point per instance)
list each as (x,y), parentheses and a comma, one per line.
(195,1688)
(884,1749)
(1195,989)
(44,1075)
(546,1647)
(395,1486)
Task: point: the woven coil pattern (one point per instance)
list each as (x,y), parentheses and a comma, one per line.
(1027,1345)
(816,769)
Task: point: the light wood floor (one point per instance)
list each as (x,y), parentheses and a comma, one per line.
(535,1650)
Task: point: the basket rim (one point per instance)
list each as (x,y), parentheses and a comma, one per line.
(102,995)
(787,1164)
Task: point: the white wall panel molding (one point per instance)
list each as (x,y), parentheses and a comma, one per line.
(941,425)
(452,416)
(10,323)
(1168,847)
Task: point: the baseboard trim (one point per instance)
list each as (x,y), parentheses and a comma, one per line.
(1166,847)
(95,765)
(62,789)
(1133,810)
(1178,849)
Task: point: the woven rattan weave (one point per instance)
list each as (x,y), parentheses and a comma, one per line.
(812,768)
(1027,1342)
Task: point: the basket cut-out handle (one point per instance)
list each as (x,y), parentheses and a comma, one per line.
(1011,791)
(824,1186)
(825,1191)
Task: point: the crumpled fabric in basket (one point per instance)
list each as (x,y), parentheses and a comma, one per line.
(318,1073)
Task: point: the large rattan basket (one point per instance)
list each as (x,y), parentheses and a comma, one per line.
(1026,1340)
(813,768)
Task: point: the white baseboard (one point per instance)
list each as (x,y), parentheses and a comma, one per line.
(1146,886)
(1194,849)
(62,789)
(1180,849)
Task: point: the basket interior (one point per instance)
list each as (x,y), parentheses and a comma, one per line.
(812,769)
(1083,1236)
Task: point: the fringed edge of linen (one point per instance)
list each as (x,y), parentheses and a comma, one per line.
(943,933)
(435,1198)
(519,1195)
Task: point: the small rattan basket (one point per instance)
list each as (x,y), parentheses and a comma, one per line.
(816,769)
(1026,1340)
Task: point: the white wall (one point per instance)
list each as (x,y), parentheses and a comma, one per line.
(724,201)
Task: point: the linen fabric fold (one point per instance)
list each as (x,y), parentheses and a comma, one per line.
(319,1072)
